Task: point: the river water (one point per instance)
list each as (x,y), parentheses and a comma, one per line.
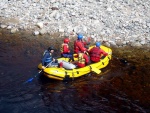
(122,87)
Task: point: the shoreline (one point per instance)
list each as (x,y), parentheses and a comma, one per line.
(108,41)
(60,36)
(117,23)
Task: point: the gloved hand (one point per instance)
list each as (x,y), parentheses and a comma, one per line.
(43,67)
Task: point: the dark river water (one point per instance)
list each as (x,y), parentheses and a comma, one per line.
(122,87)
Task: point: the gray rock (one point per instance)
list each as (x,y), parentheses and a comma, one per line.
(3,26)
(14,30)
(126,19)
(42,32)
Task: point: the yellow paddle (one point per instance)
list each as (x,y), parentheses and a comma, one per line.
(95,70)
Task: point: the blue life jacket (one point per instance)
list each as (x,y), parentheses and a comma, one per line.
(48,59)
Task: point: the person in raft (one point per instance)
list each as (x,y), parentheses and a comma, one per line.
(48,60)
(65,51)
(96,52)
(80,45)
(83,59)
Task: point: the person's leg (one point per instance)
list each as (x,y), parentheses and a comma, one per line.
(54,64)
(70,56)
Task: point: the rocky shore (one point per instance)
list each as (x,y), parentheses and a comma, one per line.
(114,22)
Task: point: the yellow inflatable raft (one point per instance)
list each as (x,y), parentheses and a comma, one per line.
(63,73)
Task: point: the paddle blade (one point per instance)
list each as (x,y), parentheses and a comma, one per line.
(97,71)
(30,80)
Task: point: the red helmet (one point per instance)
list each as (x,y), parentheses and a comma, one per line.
(66,40)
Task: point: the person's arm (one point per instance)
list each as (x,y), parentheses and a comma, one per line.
(82,48)
(86,59)
(43,60)
(103,52)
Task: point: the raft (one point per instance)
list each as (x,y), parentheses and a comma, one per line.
(62,73)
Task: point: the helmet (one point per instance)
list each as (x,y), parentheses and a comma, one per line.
(66,40)
(51,48)
(98,44)
(80,36)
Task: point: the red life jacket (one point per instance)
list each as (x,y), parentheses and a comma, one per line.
(95,53)
(63,49)
(78,46)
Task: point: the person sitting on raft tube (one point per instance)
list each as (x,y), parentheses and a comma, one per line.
(96,53)
(65,51)
(83,59)
(79,44)
(48,60)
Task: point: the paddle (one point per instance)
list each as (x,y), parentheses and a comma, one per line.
(97,71)
(31,79)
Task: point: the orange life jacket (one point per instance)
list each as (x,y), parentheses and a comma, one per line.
(62,47)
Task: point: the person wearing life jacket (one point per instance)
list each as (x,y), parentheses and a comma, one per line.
(96,53)
(65,51)
(48,60)
(83,59)
(79,45)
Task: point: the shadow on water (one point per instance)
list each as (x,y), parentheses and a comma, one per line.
(121,87)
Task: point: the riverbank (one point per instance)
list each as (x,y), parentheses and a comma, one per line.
(60,36)
(118,23)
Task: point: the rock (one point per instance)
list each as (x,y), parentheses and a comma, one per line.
(109,9)
(3,26)
(42,32)
(54,8)
(112,43)
(119,43)
(36,33)
(109,18)
(14,30)
(61,30)
(40,25)
(9,27)
(135,44)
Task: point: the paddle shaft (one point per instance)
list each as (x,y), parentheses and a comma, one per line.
(30,80)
